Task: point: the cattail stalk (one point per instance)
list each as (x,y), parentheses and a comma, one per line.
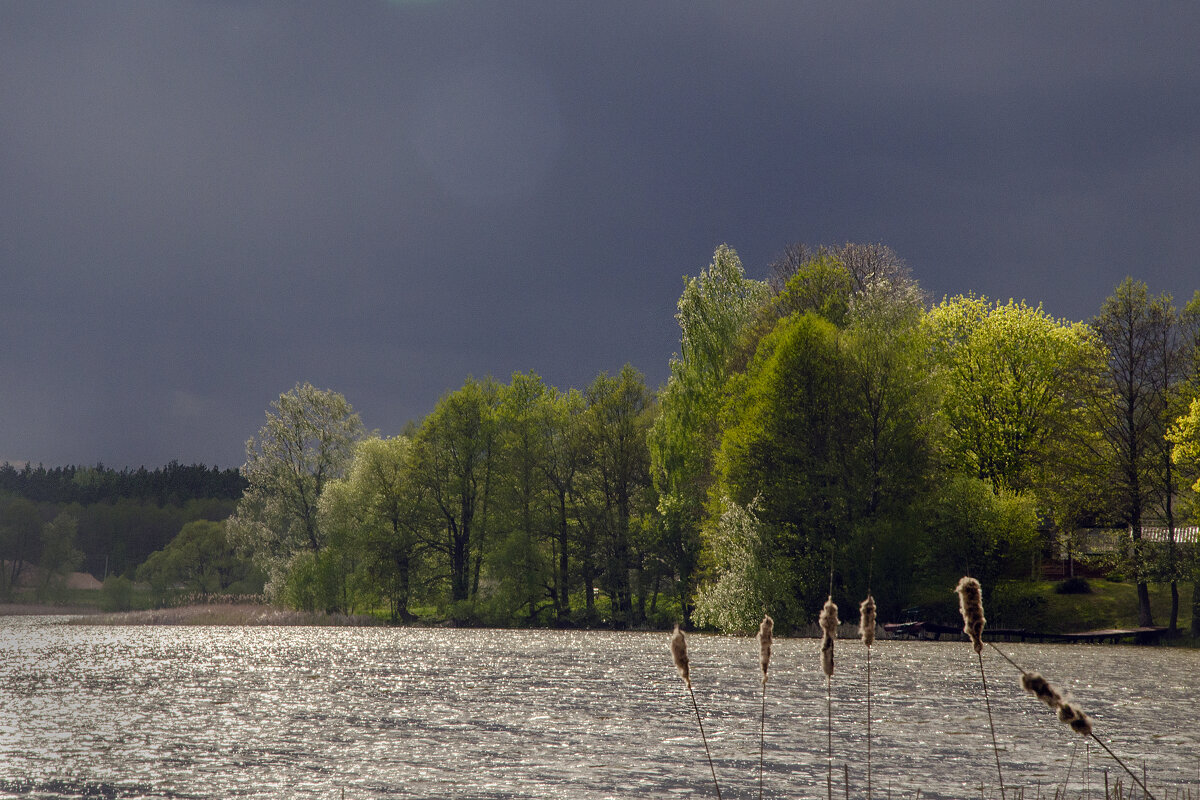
(866,629)
(829,627)
(970,604)
(1068,713)
(765,636)
(678,644)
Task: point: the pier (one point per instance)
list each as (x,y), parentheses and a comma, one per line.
(934,631)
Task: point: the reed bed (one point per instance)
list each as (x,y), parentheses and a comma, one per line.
(970,593)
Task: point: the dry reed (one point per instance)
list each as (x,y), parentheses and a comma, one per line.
(765,636)
(970,603)
(766,632)
(829,628)
(1068,713)
(679,653)
(866,630)
(866,621)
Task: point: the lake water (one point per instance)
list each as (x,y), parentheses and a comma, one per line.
(188,712)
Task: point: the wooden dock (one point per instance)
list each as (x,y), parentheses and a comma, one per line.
(935,631)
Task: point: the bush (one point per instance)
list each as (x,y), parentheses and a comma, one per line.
(1073,586)
(117,593)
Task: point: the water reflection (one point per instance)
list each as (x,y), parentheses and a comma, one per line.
(308,712)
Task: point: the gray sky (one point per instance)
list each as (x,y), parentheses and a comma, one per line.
(205,203)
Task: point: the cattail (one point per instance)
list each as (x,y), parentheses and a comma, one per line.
(679,653)
(1070,714)
(866,629)
(765,631)
(1041,688)
(829,627)
(765,634)
(866,621)
(970,603)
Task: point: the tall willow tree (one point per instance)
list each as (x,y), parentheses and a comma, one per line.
(307,441)
(713,313)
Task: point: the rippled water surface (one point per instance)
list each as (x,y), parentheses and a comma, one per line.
(313,712)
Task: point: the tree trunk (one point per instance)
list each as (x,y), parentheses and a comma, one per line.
(1145,615)
(1196,603)
(564,583)
(402,588)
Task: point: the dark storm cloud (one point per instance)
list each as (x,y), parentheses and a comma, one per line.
(205,203)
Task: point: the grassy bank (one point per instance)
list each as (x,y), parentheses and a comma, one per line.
(1037,606)
(1111,604)
(1032,605)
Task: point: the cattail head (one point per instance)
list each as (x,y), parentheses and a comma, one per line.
(1041,688)
(970,603)
(866,620)
(1071,714)
(765,633)
(679,653)
(829,627)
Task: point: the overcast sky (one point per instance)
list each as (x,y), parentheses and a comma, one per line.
(204,203)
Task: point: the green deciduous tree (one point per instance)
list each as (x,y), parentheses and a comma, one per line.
(1185,438)
(1130,412)
(60,556)
(455,458)
(617,493)
(562,417)
(781,450)
(829,434)
(523,564)
(20,531)
(378,511)
(199,560)
(971,529)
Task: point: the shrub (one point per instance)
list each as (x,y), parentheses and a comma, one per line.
(1073,586)
(117,594)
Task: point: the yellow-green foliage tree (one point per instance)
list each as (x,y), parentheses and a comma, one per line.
(1185,452)
(1013,381)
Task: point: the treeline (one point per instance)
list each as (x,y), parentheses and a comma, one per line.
(100,520)
(174,484)
(828,427)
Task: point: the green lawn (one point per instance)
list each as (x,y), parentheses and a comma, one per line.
(1111,605)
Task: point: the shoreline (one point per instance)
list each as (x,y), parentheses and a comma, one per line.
(225,614)
(46,610)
